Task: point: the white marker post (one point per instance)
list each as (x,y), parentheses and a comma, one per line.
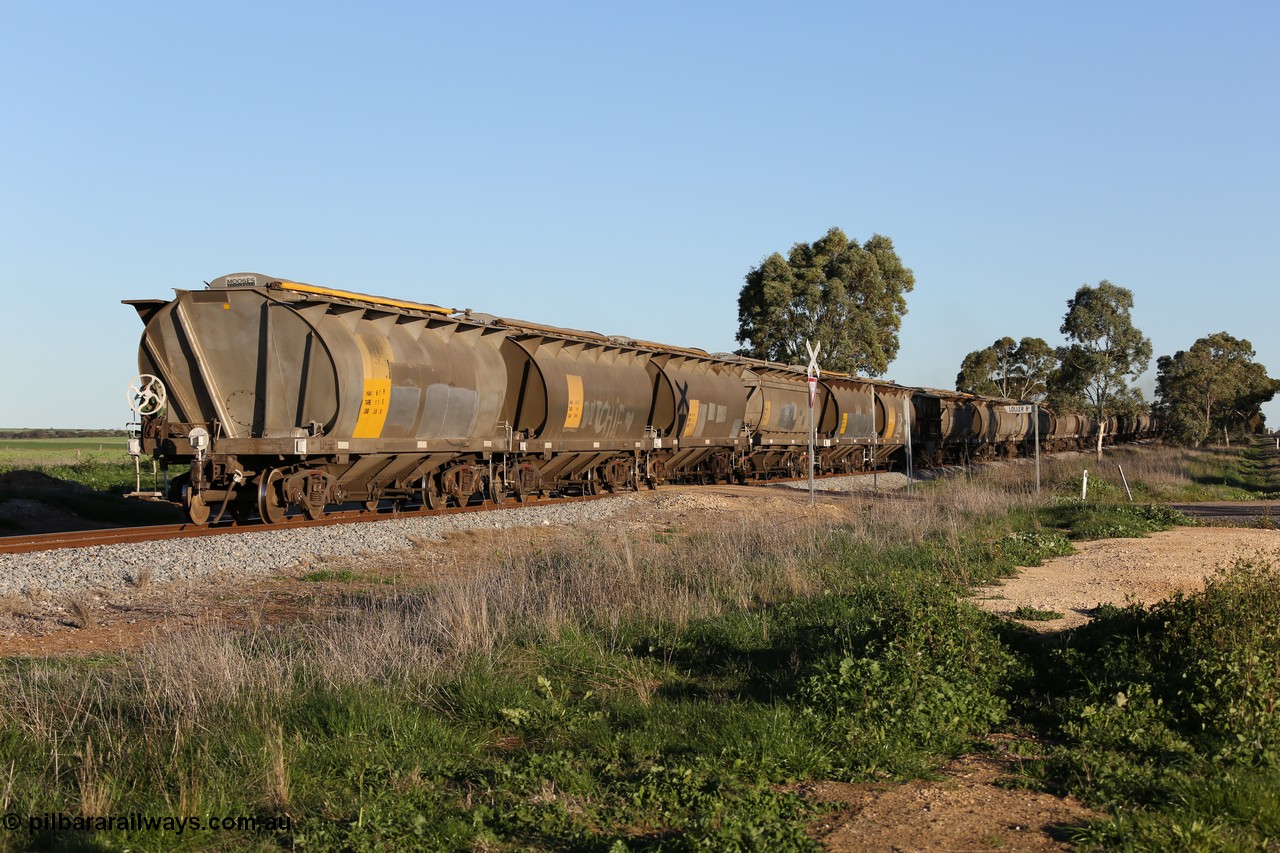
(812,375)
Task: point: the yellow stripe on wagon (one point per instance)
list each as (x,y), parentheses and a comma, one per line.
(573,411)
(296,287)
(691,423)
(375,355)
(890,422)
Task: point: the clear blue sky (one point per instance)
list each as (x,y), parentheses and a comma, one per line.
(620,167)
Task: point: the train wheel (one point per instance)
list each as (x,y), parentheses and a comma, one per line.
(197,510)
(371,505)
(271,508)
(429,492)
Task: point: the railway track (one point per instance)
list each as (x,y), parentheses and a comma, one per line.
(26,544)
(161,532)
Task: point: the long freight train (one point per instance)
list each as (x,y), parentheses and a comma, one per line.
(261,396)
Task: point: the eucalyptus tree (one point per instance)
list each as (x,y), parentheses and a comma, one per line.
(1210,387)
(1018,370)
(848,296)
(1104,350)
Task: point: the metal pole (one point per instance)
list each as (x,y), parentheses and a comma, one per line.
(875,485)
(1125,480)
(812,375)
(1036,415)
(906,432)
(812,428)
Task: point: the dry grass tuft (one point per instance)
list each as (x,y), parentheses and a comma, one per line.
(277,771)
(142,579)
(6,787)
(82,612)
(38,594)
(194,673)
(95,789)
(18,606)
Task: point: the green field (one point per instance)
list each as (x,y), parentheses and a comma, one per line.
(102,463)
(64,445)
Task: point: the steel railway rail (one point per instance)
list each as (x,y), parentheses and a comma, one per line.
(25,544)
(161,532)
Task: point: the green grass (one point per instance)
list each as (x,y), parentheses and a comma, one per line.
(671,738)
(108,472)
(1169,716)
(343,576)
(650,735)
(571,728)
(327,575)
(1033,614)
(1248,473)
(1085,520)
(105,470)
(1168,474)
(110,444)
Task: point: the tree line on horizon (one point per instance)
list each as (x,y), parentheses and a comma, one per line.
(850,297)
(52,432)
(1214,388)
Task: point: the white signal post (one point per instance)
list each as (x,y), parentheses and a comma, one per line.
(812,374)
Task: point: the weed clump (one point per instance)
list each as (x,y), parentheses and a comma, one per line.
(1087,520)
(919,679)
(1174,709)
(1035,614)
